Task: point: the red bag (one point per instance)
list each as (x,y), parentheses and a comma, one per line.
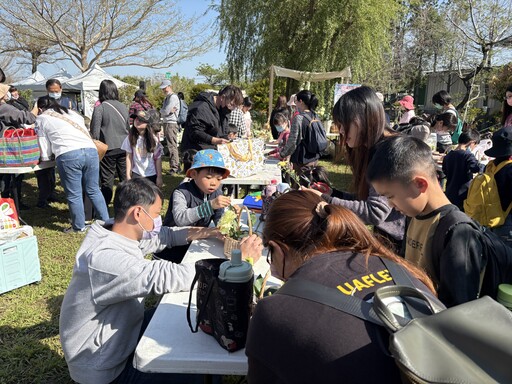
(8,214)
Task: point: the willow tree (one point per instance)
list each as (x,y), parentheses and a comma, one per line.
(309,35)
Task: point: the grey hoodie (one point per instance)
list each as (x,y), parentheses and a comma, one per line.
(103,308)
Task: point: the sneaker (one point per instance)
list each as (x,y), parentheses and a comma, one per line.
(73,230)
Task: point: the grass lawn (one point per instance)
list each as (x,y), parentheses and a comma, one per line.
(30,350)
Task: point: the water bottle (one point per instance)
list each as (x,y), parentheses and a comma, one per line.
(271,188)
(233,302)
(236,270)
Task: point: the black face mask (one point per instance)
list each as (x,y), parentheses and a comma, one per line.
(225,111)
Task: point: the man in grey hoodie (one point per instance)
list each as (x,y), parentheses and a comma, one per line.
(103,309)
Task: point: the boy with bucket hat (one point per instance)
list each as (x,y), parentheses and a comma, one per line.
(198,201)
(501,150)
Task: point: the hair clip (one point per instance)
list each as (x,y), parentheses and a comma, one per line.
(320,209)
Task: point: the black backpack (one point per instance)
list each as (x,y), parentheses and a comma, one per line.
(314,139)
(496,254)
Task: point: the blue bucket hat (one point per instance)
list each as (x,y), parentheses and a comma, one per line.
(208,158)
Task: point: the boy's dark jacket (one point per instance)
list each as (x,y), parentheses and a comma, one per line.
(194,198)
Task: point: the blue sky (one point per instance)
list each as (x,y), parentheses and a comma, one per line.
(187,68)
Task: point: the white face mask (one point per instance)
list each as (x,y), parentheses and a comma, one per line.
(7,96)
(157,226)
(279,128)
(55,95)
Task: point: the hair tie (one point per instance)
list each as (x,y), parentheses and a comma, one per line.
(320,209)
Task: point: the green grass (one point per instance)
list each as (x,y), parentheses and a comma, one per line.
(30,350)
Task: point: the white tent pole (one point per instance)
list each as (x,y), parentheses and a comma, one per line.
(271,93)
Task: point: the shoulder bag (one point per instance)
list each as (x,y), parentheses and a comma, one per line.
(465,344)
(126,122)
(101,147)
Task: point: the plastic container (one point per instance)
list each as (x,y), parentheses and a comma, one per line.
(283,187)
(432,141)
(505,295)
(236,270)
(19,263)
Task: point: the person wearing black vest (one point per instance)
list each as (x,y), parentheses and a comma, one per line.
(198,201)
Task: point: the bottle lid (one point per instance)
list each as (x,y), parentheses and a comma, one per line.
(273,181)
(235,270)
(505,294)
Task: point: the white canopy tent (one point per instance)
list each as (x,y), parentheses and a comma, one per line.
(86,84)
(33,78)
(303,76)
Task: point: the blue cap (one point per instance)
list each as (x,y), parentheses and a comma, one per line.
(208,158)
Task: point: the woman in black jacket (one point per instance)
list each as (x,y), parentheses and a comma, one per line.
(294,340)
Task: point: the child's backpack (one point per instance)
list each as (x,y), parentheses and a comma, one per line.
(182,115)
(483,201)
(468,343)
(314,138)
(496,254)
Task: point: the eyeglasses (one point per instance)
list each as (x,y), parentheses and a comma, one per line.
(507,97)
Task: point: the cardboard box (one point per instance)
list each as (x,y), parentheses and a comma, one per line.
(19,263)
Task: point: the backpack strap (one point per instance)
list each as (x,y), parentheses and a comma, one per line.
(309,290)
(446,223)
(333,298)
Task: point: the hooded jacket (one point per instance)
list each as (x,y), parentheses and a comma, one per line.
(204,122)
(103,308)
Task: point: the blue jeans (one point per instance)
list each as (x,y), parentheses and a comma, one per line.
(79,170)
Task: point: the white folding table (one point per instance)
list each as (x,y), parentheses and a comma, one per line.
(169,346)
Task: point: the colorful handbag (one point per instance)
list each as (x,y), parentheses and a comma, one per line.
(243,157)
(19,148)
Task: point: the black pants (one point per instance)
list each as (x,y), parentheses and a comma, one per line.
(7,184)
(113,162)
(46,184)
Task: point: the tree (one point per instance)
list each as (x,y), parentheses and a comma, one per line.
(151,33)
(216,77)
(483,29)
(309,35)
(37,51)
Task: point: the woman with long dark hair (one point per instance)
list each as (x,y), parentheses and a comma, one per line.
(62,132)
(109,124)
(360,116)
(294,340)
